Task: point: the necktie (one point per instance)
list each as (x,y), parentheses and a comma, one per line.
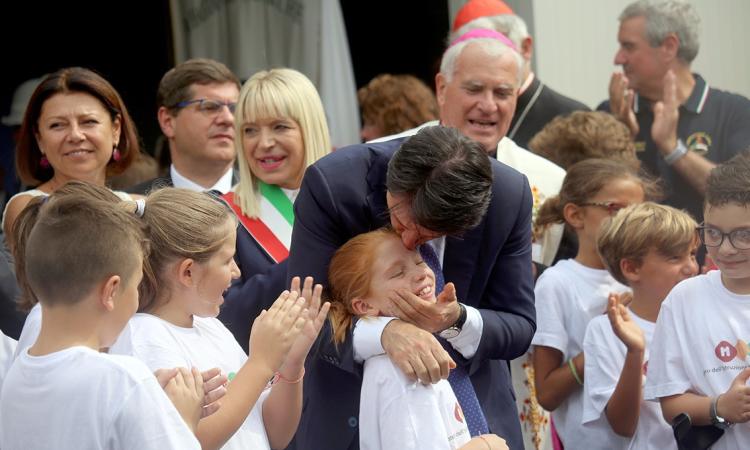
(459,377)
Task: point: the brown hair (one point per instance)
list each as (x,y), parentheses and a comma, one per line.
(65,81)
(397,102)
(176,85)
(76,243)
(181,224)
(349,277)
(27,219)
(583,135)
(730,182)
(583,181)
(635,230)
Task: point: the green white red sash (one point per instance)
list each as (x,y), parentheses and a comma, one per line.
(273,229)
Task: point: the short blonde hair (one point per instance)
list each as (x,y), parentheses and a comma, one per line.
(635,230)
(278,93)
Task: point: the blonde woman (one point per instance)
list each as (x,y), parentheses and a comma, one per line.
(281,130)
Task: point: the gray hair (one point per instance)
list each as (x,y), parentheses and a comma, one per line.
(663,18)
(491,46)
(510,25)
(446,176)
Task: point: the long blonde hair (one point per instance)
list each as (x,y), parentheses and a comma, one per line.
(278,93)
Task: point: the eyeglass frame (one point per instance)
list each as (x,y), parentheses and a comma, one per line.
(611,207)
(185,103)
(701,229)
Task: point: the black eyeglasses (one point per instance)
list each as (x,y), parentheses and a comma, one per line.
(712,237)
(611,207)
(210,107)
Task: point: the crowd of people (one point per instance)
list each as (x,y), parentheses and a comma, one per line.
(495,267)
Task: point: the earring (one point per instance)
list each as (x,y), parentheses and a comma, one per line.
(115,153)
(44,162)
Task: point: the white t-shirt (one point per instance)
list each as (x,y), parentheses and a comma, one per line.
(699,345)
(81,399)
(605,357)
(206,345)
(568,296)
(30,331)
(7,349)
(397,413)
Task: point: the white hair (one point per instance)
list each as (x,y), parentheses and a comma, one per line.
(663,18)
(491,46)
(510,25)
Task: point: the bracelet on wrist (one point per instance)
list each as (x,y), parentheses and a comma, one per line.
(280,377)
(574,371)
(678,153)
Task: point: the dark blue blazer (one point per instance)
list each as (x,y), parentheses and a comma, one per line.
(343,195)
(260,283)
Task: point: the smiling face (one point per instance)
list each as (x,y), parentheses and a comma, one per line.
(77,135)
(480,98)
(213,277)
(734,264)
(203,136)
(657,273)
(275,151)
(394,268)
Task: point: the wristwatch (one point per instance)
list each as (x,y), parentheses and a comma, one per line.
(676,154)
(455,329)
(716,419)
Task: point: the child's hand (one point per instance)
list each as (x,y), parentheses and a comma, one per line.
(185,390)
(316,316)
(274,331)
(734,404)
(624,327)
(214,387)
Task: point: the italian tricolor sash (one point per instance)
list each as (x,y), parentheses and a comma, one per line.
(273,229)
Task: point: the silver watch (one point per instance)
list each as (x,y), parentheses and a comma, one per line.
(716,419)
(455,329)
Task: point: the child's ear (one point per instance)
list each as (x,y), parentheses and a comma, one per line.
(630,269)
(573,215)
(108,292)
(362,308)
(185,272)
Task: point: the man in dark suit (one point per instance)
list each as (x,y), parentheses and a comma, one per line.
(431,190)
(196,101)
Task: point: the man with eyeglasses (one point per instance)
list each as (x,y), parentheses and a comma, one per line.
(196,101)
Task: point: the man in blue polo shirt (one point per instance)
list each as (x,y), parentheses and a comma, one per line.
(682,127)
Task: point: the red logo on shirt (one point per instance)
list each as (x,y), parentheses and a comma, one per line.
(725,351)
(458,413)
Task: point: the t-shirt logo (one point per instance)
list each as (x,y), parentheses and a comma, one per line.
(699,142)
(458,413)
(726,352)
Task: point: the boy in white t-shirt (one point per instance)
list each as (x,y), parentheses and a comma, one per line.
(84,263)
(699,358)
(650,248)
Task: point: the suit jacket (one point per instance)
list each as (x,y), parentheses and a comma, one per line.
(343,195)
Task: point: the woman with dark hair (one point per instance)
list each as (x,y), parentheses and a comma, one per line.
(76,127)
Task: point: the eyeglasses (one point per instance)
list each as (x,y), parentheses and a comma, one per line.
(711,237)
(210,107)
(611,207)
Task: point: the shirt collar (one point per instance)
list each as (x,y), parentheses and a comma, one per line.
(694,103)
(223,185)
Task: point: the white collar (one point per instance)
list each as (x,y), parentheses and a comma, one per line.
(223,185)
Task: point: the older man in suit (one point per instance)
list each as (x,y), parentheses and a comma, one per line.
(440,192)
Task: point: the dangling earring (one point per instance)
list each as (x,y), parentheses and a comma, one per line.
(44,162)
(115,153)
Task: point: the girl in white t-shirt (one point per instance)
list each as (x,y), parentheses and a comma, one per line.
(650,248)
(573,291)
(190,265)
(395,412)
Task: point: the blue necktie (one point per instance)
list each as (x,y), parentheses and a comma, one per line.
(459,377)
